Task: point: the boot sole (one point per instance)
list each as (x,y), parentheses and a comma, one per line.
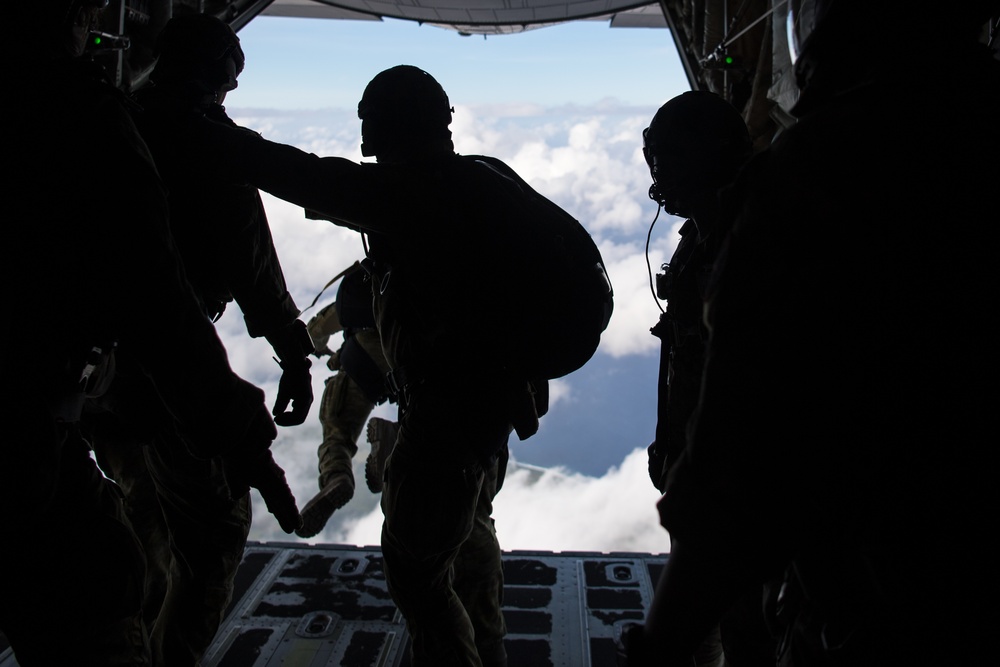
(319,510)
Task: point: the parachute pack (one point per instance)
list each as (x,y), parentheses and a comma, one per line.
(561,297)
(543,291)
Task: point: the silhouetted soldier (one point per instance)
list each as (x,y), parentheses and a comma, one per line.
(443,232)
(350,395)
(220,227)
(94,269)
(849,404)
(193,532)
(695,145)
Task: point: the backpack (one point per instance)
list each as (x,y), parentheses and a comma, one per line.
(562,297)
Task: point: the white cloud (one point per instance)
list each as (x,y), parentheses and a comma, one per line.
(635,308)
(560,391)
(560,510)
(543,509)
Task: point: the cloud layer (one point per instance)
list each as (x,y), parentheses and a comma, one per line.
(546,509)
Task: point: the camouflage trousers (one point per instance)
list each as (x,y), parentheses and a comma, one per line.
(71,569)
(441,554)
(193,535)
(344,409)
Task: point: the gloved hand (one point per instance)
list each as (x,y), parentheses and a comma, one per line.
(293,346)
(263,474)
(657,464)
(295,387)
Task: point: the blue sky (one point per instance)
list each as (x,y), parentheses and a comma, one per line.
(308,64)
(565,107)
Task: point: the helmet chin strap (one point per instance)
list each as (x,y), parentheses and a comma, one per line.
(660,197)
(656,192)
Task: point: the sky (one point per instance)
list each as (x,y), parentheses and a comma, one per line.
(564,106)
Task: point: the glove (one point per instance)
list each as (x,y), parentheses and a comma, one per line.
(263,474)
(657,463)
(295,387)
(293,346)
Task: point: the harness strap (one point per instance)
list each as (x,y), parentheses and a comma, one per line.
(400,382)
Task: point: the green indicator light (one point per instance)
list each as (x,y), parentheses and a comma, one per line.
(97,40)
(729,60)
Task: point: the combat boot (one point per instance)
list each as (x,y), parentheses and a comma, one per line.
(334,495)
(382,436)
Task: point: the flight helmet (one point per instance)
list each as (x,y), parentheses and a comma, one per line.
(199,50)
(694,145)
(404,110)
(56,18)
(66,10)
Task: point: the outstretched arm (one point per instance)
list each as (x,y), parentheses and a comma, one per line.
(359,196)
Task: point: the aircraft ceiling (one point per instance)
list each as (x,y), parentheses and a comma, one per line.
(479,16)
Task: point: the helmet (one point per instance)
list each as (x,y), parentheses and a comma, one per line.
(403,107)
(55,18)
(695,144)
(197,48)
(67,9)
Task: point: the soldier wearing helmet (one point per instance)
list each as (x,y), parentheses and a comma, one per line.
(220,226)
(695,145)
(441,553)
(222,235)
(843,438)
(98,295)
(405,115)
